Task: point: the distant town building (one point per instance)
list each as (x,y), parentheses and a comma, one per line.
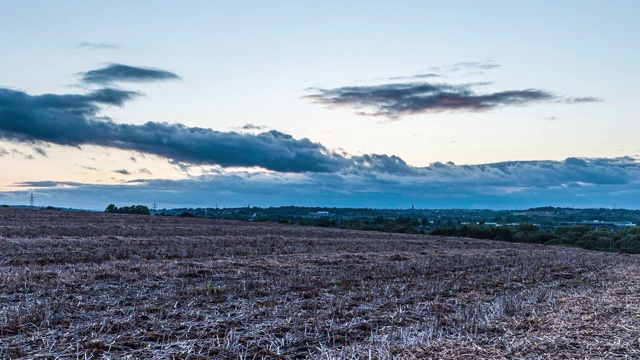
(598,224)
(320,213)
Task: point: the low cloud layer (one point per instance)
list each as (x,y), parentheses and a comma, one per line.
(124,73)
(394,100)
(519,184)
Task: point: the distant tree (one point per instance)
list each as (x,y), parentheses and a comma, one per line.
(502,233)
(526,228)
(630,242)
(187,214)
(142,210)
(477,231)
(539,238)
(571,234)
(327,223)
(133,209)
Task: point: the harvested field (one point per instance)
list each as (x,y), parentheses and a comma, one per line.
(107,286)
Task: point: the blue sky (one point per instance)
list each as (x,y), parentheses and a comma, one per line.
(502,104)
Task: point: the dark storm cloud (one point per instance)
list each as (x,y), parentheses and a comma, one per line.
(111,96)
(125,73)
(100,46)
(73,120)
(393,100)
(17,101)
(59,119)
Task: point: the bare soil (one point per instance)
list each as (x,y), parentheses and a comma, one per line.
(108,286)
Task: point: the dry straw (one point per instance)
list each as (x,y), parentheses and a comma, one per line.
(106,286)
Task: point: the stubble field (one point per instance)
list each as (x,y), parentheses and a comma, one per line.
(107,286)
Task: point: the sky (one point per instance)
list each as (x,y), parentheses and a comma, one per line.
(457,104)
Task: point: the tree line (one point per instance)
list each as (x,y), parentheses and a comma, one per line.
(133,209)
(625,240)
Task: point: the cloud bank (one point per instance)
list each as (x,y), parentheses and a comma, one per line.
(509,185)
(125,73)
(393,100)
(302,172)
(74,120)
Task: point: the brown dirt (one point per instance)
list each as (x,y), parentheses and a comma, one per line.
(94,285)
